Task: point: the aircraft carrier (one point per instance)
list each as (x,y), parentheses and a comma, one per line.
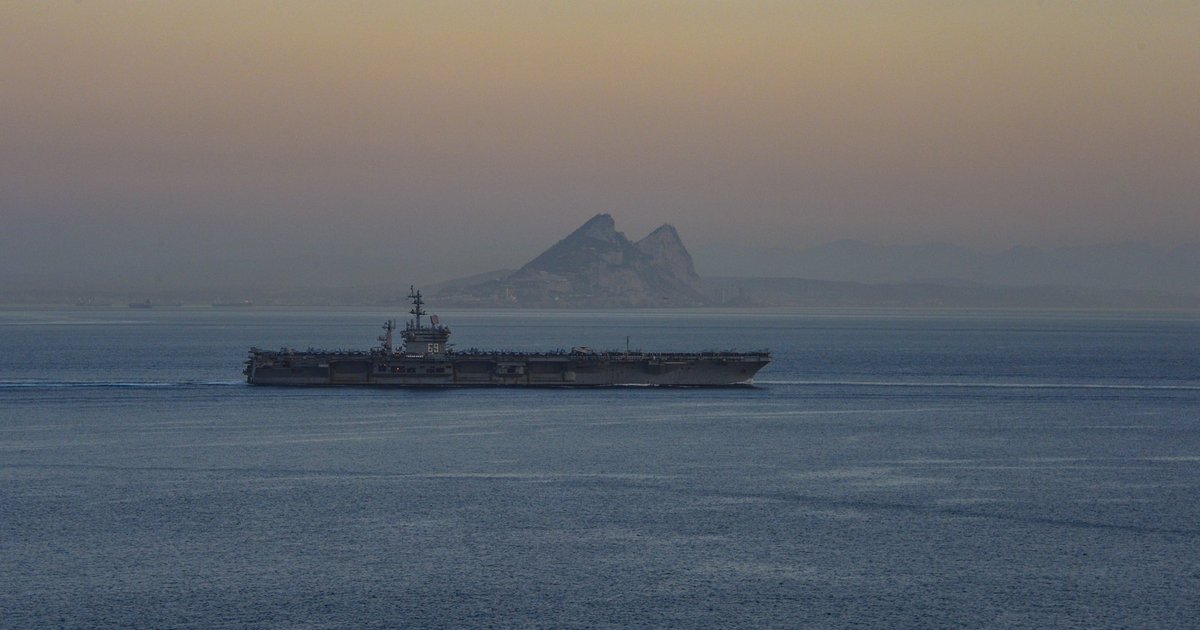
(426,360)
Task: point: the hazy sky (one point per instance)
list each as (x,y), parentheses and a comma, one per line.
(443,138)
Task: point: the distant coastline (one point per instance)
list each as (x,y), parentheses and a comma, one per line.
(729,293)
(597,267)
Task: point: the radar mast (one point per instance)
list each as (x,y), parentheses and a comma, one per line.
(416,311)
(421,340)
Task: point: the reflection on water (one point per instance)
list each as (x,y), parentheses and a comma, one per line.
(890,470)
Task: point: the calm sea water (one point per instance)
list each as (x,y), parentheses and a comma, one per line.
(892,469)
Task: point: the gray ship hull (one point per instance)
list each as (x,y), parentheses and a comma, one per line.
(323,369)
(426,360)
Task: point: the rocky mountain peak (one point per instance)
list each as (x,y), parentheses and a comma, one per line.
(601,227)
(595,242)
(663,233)
(598,266)
(664,247)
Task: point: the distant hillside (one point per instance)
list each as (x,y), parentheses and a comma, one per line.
(1126,266)
(594,266)
(793,292)
(598,267)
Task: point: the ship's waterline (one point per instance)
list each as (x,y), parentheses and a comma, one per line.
(425,360)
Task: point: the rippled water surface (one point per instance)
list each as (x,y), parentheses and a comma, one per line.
(891,469)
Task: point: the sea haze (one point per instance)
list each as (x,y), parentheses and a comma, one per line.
(891,469)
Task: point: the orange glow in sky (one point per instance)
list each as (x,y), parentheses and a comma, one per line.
(767,123)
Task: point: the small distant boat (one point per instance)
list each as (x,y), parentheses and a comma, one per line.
(239,304)
(144,304)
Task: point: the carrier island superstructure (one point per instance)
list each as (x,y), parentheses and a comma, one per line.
(426,360)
